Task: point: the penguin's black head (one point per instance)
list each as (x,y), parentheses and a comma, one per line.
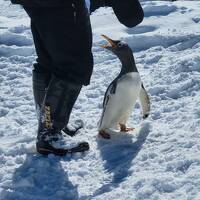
(123,52)
(119,48)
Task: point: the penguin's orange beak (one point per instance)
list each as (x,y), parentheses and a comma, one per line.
(111,42)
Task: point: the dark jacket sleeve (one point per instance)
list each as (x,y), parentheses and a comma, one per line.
(128,12)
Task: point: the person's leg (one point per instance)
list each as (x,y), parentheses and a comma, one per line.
(66,35)
(67,43)
(41,75)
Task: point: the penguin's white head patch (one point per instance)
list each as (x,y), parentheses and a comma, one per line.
(120,44)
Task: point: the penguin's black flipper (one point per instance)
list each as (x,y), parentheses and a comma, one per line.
(145,102)
(110,90)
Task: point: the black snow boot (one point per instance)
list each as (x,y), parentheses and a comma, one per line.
(55,112)
(40,84)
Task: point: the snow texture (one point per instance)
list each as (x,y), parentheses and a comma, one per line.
(159,161)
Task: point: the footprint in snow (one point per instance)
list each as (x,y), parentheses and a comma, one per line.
(196,20)
(158,10)
(9,39)
(19,29)
(141,29)
(8,51)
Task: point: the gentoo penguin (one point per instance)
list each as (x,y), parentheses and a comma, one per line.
(122,93)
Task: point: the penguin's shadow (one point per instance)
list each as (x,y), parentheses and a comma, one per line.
(40,178)
(118,156)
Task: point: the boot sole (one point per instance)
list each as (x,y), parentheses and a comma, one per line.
(48,149)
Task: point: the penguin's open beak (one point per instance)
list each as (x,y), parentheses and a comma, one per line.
(111,42)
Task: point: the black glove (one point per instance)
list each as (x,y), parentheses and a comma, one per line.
(128,12)
(95,4)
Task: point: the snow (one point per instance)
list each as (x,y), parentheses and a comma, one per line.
(159,161)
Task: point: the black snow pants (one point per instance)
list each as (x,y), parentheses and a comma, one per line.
(63,41)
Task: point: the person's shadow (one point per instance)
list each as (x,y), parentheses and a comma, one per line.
(40,178)
(119,155)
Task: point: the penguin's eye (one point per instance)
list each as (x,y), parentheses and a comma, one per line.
(120,44)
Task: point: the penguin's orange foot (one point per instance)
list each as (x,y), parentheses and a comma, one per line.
(123,128)
(104,135)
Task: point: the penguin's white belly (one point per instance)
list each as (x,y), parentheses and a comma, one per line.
(122,102)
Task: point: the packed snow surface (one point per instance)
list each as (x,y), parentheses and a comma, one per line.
(158,161)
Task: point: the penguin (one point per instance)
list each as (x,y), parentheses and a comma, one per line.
(122,93)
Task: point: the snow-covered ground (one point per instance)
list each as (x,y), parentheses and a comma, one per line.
(159,161)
